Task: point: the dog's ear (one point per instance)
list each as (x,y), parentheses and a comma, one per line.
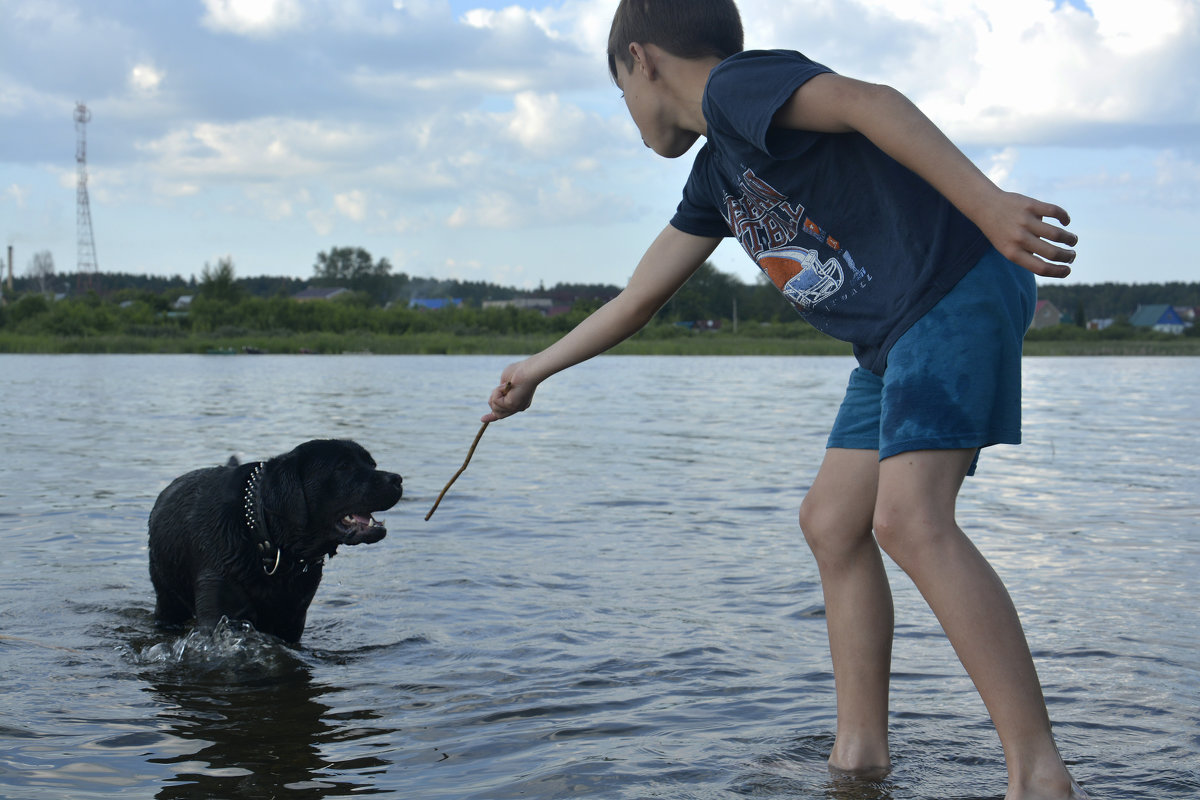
(282,492)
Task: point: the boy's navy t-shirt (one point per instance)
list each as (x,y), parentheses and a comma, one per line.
(859,244)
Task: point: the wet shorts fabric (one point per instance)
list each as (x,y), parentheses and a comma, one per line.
(953,380)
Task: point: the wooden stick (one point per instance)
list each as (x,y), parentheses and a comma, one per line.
(461,470)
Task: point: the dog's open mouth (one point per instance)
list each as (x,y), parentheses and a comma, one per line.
(360,529)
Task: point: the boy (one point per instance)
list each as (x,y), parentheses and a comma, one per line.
(883,234)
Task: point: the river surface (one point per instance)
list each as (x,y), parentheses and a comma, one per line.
(613,601)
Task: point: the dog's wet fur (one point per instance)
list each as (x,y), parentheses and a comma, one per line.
(249,541)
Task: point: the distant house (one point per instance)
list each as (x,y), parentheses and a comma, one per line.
(545,305)
(183,301)
(434,303)
(542,304)
(1159,317)
(1187,314)
(1046,315)
(319,293)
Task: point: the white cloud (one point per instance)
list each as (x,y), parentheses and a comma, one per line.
(145,78)
(993,72)
(544,201)
(488,209)
(252,17)
(352,205)
(320,221)
(258,149)
(1146,26)
(543,124)
(18,194)
(585,23)
(1001,167)
(421,8)
(509,17)
(563,200)
(451,82)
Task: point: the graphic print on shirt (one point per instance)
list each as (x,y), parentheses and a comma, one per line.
(800,275)
(767,224)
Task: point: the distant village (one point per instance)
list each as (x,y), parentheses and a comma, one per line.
(1159,317)
(710,301)
(547,306)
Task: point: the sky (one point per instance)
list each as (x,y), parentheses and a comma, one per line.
(484,141)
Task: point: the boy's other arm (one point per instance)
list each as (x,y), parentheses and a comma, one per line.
(1013,223)
(667,264)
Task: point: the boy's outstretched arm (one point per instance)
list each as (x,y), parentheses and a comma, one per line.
(667,264)
(1013,223)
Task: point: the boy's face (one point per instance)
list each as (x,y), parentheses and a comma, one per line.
(650,109)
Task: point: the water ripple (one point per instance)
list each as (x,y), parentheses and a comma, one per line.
(613,602)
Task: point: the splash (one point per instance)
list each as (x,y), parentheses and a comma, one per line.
(230,644)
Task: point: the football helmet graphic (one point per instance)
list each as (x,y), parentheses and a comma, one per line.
(802,277)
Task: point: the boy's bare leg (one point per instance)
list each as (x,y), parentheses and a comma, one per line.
(914,523)
(836,520)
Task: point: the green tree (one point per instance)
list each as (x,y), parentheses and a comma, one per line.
(354,269)
(219,283)
(708,294)
(28,307)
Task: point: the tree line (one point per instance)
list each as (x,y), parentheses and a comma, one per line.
(379,300)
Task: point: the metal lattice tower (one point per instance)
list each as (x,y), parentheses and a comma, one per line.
(85,264)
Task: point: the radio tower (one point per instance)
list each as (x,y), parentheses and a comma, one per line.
(85,264)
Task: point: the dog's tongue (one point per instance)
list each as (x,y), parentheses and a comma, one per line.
(362,529)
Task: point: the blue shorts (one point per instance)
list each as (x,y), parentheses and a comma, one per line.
(953,380)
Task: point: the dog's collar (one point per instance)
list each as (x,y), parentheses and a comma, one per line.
(271,555)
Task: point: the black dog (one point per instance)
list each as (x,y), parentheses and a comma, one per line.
(249,541)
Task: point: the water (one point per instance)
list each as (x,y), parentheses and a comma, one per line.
(613,601)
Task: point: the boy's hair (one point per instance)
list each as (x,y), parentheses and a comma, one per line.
(684,28)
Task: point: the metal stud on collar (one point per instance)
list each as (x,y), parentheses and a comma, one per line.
(249,497)
(248,512)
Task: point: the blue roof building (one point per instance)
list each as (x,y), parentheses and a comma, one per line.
(1159,317)
(434,303)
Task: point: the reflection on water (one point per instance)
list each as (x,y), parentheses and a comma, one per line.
(613,602)
(245,718)
(253,737)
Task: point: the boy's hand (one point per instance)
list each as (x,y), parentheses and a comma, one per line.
(1016,226)
(514,394)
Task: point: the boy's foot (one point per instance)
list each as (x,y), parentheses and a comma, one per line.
(860,758)
(1075,792)
(869,774)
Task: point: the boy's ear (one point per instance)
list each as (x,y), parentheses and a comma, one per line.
(642,59)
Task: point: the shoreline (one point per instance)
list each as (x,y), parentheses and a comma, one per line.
(702,344)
